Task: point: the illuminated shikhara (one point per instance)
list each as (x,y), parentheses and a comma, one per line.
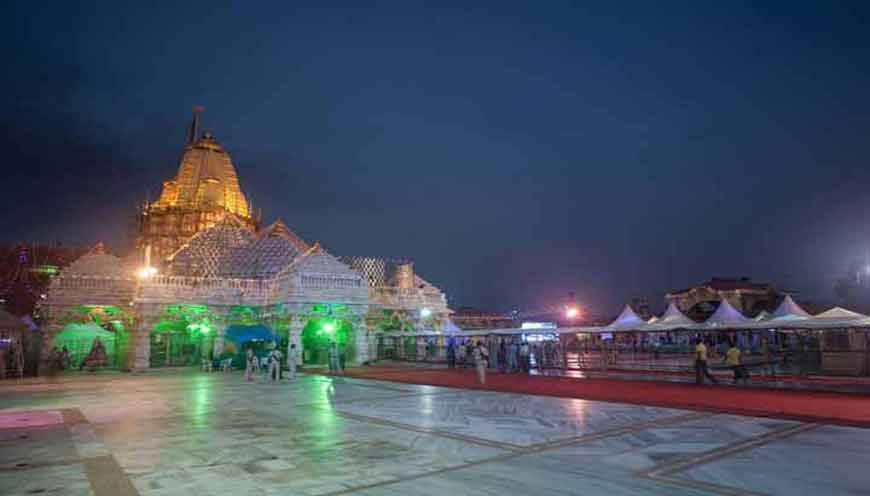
(218,273)
(204,191)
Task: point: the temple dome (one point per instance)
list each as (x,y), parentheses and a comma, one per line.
(206,180)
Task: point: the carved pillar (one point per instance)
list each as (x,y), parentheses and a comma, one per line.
(362,338)
(142,342)
(294,336)
(218,346)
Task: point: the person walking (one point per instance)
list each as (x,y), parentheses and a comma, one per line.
(701,370)
(292,358)
(732,359)
(480,355)
(250,360)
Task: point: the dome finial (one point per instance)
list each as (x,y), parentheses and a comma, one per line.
(194,125)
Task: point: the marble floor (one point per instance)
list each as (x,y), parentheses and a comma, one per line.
(196,434)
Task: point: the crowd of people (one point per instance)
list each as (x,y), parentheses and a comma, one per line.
(61,358)
(272,370)
(507,355)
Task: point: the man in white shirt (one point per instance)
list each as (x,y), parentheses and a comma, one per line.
(292,357)
(481,355)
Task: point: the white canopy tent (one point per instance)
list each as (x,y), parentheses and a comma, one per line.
(725,317)
(672,319)
(627,321)
(840,313)
(789,310)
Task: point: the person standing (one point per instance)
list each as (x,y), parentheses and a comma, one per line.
(461,356)
(524,356)
(502,355)
(769,358)
(292,357)
(513,354)
(492,344)
(333,358)
(480,355)
(451,353)
(274,365)
(250,361)
(65,358)
(701,370)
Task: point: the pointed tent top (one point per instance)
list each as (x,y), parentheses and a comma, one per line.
(626,320)
(839,313)
(762,316)
(99,249)
(789,310)
(726,315)
(674,317)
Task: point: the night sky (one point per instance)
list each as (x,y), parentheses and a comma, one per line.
(515,152)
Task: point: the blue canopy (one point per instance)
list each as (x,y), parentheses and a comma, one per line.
(244,333)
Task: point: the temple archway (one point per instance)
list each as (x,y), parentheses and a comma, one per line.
(320,332)
(84,326)
(184,335)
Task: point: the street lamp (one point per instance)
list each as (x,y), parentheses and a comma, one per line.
(572,312)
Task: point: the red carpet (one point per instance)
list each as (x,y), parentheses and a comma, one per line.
(806,406)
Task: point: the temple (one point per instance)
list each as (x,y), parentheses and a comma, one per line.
(204,191)
(205,278)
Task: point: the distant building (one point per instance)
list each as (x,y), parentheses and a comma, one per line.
(473,318)
(743,294)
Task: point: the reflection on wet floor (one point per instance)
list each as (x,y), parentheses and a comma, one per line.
(200,433)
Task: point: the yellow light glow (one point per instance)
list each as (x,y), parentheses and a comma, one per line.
(146,272)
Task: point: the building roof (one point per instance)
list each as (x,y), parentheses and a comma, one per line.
(274,248)
(206,179)
(207,253)
(98,263)
(727,284)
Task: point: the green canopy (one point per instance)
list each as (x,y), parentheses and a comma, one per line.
(84,331)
